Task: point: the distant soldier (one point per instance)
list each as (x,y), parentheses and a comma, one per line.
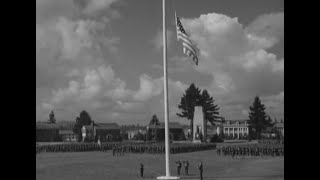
(141,170)
(113,151)
(186,167)
(200,167)
(178,163)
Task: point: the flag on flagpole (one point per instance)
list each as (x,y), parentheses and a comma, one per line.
(186,43)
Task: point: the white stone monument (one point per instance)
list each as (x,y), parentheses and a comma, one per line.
(198,124)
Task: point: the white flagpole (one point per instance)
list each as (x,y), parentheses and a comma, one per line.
(166,108)
(165,90)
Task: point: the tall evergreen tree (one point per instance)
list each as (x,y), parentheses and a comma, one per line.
(189,100)
(258,117)
(52,119)
(210,110)
(83,120)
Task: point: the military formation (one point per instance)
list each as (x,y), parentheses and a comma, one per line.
(270,141)
(252,150)
(119,149)
(160,148)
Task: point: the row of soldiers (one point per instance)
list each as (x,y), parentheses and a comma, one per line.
(155,148)
(252,150)
(160,148)
(74,147)
(271,141)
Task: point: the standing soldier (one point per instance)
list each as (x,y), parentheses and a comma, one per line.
(113,151)
(186,167)
(178,167)
(200,167)
(141,170)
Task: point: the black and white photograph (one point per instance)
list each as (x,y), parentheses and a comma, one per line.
(160,89)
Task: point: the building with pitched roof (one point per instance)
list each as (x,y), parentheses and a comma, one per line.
(280,128)
(176,131)
(102,131)
(46,132)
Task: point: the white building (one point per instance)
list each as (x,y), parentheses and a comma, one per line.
(236,128)
(280,128)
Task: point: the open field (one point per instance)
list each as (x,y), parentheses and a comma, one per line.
(104,166)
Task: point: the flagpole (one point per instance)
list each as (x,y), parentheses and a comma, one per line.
(165,77)
(165,90)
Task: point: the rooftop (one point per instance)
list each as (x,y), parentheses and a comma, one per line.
(104,126)
(235,122)
(43,125)
(64,132)
(171,125)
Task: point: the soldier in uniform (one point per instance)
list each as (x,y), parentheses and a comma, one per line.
(200,167)
(141,170)
(186,167)
(178,163)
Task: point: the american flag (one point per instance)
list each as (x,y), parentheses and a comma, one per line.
(186,43)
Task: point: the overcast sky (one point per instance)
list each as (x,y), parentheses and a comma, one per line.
(105,57)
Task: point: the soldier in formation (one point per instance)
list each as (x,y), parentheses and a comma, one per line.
(186,167)
(178,163)
(200,167)
(141,169)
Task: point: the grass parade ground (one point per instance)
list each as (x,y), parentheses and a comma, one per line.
(105,166)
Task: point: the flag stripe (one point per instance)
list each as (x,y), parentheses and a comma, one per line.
(185,40)
(189,47)
(186,43)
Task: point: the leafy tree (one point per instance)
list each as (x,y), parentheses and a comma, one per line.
(258,117)
(83,120)
(189,100)
(154,120)
(52,119)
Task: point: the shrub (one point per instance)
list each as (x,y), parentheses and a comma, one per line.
(215,138)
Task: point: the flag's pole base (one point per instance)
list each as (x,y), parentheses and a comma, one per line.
(168,177)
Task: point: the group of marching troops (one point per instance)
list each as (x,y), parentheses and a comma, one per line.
(160,148)
(252,150)
(270,141)
(121,148)
(73,147)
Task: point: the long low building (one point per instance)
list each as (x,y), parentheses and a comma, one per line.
(46,132)
(176,131)
(104,131)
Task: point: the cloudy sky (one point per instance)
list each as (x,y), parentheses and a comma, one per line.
(105,57)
